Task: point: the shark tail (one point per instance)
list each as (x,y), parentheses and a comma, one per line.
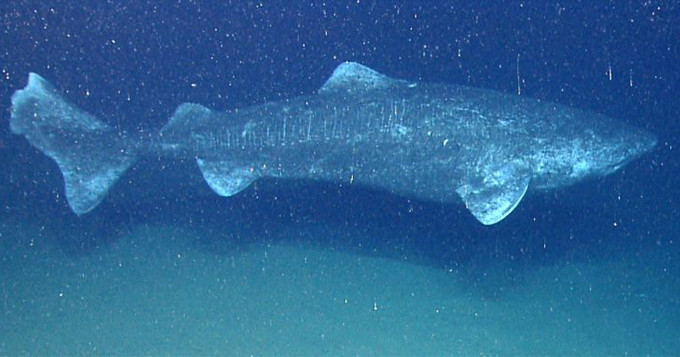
(91,155)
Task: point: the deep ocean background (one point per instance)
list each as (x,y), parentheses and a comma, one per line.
(132,63)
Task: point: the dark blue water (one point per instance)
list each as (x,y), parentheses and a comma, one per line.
(132,63)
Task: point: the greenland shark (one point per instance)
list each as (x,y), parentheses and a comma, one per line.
(431,141)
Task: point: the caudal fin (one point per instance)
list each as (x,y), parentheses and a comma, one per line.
(90,154)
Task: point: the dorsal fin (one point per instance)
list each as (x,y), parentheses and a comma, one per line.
(188,118)
(354,77)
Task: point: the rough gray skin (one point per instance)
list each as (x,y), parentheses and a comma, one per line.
(431,141)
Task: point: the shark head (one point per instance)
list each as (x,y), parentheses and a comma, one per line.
(621,146)
(599,147)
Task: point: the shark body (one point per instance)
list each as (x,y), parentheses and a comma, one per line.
(430,141)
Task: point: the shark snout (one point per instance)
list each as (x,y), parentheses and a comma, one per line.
(649,141)
(627,144)
(641,142)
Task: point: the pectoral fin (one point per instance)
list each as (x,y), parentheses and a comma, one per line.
(493,197)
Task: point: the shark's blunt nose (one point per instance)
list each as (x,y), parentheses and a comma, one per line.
(647,141)
(652,140)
